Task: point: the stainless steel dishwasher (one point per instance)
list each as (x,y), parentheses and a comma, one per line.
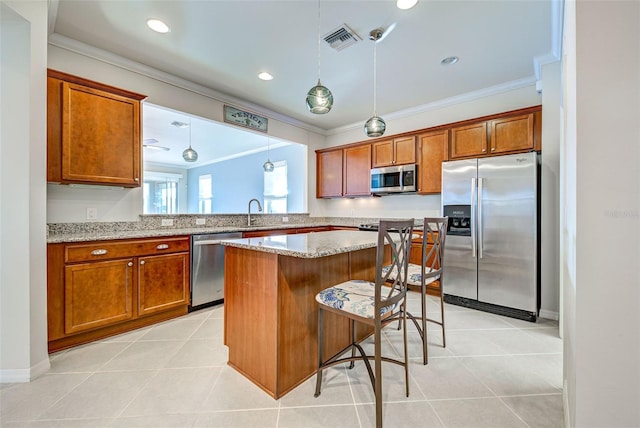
(207,268)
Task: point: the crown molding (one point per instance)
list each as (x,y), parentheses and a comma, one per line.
(447,102)
(557,18)
(107,57)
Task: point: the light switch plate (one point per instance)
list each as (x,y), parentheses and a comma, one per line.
(200,221)
(92,213)
(167,222)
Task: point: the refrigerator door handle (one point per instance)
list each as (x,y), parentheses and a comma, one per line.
(480,225)
(473,217)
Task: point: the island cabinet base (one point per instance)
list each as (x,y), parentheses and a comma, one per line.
(271,316)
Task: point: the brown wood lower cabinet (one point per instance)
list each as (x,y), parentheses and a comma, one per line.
(98,289)
(97,294)
(161,283)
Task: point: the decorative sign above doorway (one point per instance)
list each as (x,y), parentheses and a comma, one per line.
(245,118)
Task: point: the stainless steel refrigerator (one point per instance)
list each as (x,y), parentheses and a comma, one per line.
(491,259)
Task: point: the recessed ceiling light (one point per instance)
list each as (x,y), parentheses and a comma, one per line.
(449,60)
(406,4)
(157,25)
(265,76)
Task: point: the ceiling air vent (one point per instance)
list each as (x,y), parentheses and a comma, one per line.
(341,37)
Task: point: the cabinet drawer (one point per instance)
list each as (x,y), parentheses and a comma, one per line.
(116,249)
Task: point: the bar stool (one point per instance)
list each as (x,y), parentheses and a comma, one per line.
(428,277)
(373,303)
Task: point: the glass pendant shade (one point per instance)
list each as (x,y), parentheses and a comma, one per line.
(268,166)
(375,126)
(190,155)
(319,99)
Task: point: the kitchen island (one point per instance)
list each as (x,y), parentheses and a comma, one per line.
(271,316)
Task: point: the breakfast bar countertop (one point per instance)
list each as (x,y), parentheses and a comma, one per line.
(308,245)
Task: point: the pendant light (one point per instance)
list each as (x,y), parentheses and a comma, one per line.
(190,155)
(319,98)
(375,126)
(268,165)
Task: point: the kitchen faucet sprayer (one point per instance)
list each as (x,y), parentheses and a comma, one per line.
(249,210)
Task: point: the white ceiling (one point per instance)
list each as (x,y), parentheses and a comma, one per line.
(223,45)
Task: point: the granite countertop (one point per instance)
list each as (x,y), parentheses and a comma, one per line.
(105,235)
(150,226)
(309,245)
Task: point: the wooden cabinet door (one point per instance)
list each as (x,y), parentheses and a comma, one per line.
(100,137)
(512,134)
(97,294)
(468,141)
(404,150)
(431,152)
(163,282)
(399,151)
(382,154)
(357,170)
(329,174)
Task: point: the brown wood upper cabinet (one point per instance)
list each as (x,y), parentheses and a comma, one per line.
(357,171)
(343,172)
(93,132)
(432,150)
(398,151)
(329,174)
(492,137)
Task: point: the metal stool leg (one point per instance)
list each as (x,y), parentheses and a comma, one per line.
(320,350)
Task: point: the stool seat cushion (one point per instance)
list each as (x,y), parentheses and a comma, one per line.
(414,274)
(355,296)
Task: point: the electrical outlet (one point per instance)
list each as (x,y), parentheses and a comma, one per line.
(92,213)
(167,222)
(200,221)
(285,219)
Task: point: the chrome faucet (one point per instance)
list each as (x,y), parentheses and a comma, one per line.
(249,210)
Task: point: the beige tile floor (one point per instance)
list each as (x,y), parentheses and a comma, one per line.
(495,372)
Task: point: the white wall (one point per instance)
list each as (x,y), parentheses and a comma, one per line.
(69,204)
(550,188)
(602,274)
(23,292)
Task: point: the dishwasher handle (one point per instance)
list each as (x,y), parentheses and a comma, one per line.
(207,242)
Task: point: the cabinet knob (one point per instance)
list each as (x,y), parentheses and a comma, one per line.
(136,179)
(493,149)
(100,252)
(162,246)
(141,262)
(130,264)
(484,150)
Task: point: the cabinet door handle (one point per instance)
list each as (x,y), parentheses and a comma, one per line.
(100,252)
(130,264)
(162,246)
(141,262)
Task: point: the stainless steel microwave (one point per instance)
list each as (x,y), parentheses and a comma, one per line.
(393,179)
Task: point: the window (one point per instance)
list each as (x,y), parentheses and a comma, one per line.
(275,189)
(160,192)
(205,194)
